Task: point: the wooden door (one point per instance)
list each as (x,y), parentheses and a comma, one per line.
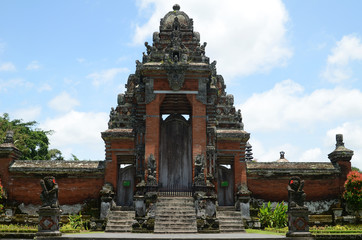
(125,192)
(175,170)
(225,185)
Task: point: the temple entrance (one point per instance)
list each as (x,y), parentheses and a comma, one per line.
(126,176)
(175,170)
(225,185)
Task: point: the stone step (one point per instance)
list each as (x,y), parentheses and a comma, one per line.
(175,231)
(175,215)
(230,221)
(183,212)
(168,218)
(120,221)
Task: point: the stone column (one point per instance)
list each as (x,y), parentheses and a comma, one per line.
(297,212)
(48,222)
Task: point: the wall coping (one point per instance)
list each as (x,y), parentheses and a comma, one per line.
(298,168)
(50,167)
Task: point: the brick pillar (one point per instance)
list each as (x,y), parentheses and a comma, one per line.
(341,158)
(198,129)
(152,136)
(8,153)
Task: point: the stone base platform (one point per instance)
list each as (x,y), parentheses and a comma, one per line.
(136,236)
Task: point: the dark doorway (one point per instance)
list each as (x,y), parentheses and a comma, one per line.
(225,185)
(126,176)
(175,170)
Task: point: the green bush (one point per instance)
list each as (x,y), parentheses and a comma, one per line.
(76,222)
(273,218)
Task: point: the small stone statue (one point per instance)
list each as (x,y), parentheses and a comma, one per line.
(107,192)
(199,165)
(49,195)
(199,170)
(296,195)
(151,170)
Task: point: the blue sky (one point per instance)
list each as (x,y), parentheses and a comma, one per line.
(294,68)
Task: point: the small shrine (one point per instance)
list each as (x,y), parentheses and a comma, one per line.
(175,127)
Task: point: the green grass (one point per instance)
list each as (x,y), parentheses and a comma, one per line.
(14,228)
(263,232)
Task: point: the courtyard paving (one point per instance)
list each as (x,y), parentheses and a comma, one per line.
(134,236)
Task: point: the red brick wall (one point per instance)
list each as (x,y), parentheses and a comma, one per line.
(276,189)
(72,190)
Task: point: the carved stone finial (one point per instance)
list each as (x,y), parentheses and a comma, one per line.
(9,137)
(176,7)
(339,140)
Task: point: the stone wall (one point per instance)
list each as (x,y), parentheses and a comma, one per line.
(78,181)
(269,180)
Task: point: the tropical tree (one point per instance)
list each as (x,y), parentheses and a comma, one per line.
(31,141)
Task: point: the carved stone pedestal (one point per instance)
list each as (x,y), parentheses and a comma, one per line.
(298,224)
(48,222)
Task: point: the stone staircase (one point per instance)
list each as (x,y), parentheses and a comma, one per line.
(120,221)
(175,215)
(229,220)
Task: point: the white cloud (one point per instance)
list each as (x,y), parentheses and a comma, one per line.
(347,50)
(312,155)
(286,106)
(105,76)
(244,36)
(7,67)
(34,65)
(77,133)
(14,83)
(63,102)
(352,134)
(80,60)
(44,87)
(27,114)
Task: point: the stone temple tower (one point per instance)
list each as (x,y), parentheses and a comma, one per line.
(175,129)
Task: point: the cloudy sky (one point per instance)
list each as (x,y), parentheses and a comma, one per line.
(294,68)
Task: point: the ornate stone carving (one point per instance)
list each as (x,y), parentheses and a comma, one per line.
(296,195)
(176,80)
(175,75)
(151,171)
(149,94)
(49,195)
(297,212)
(202,93)
(199,179)
(9,138)
(107,193)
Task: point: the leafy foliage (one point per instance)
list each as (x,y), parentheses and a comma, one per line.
(274,218)
(31,141)
(76,222)
(353,190)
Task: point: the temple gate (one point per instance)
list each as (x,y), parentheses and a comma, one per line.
(176,120)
